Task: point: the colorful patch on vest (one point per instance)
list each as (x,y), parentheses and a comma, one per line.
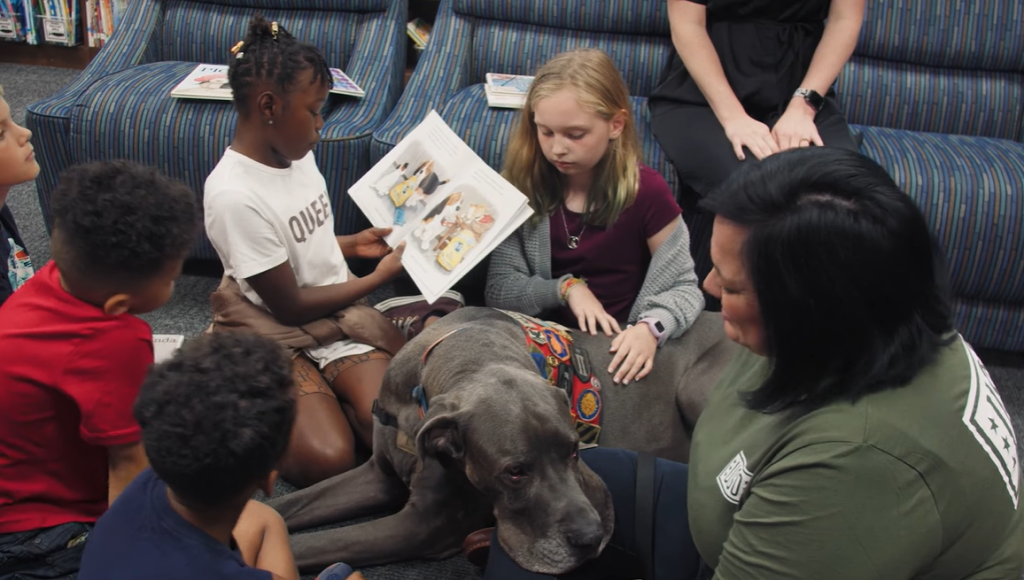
(588,405)
(567,368)
(557,343)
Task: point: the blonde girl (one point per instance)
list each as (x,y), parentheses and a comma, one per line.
(607,249)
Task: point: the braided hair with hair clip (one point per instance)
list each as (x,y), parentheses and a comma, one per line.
(271,54)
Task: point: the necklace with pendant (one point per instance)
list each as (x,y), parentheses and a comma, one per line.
(572,241)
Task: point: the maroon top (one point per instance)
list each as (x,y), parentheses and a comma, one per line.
(614,261)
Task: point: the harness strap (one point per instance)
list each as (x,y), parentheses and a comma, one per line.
(643,519)
(419,394)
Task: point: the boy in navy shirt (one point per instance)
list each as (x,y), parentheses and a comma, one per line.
(215,421)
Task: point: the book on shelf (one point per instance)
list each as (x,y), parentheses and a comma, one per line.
(419,31)
(164,346)
(507,91)
(39,21)
(448,206)
(210,81)
(101,17)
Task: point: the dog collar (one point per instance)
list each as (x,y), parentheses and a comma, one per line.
(419,394)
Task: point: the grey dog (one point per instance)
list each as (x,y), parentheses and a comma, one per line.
(473,435)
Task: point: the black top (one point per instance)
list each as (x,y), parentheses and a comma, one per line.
(765,47)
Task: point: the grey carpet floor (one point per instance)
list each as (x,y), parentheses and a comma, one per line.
(188,311)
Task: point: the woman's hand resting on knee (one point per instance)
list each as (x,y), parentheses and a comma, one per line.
(745,131)
(796,127)
(634,352)
(589,311)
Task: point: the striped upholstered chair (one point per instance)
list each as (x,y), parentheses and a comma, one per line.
(937,90)
(120,106)
(473,37)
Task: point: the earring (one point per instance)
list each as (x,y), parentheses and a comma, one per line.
(270,122)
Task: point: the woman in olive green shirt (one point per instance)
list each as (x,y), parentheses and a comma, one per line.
(857,435)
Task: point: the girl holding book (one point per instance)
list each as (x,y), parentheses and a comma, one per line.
(269,217)
(606,250)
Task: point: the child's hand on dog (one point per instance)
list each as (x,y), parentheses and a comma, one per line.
(589,312)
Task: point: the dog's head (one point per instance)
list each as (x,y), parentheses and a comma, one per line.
(513,436)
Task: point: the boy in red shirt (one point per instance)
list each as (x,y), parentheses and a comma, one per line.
(73,355)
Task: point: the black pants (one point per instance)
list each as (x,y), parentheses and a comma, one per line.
(50,553)
(695,143)
(675,556)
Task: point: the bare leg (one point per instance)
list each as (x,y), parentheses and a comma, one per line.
(356,382)
(321,444)
(263,540)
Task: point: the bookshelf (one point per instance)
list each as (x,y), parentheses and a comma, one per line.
(78,57)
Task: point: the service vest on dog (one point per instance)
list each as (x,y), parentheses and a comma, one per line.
(917,482)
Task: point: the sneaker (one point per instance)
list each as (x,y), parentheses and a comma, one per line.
(409,313)
(339,571)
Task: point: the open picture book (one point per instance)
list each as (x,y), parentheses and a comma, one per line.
(210,81)
(445,202)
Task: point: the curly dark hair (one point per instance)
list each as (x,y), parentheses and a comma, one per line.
(275,60)
(119,221)
(216,417)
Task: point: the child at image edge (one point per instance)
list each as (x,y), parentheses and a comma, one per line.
(17,165)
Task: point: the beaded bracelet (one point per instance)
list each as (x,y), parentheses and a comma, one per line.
(567,285)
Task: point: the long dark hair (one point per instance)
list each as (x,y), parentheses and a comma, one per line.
(852,291)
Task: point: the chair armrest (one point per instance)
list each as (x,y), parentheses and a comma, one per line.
(442,71)
(127,47)
(377,64)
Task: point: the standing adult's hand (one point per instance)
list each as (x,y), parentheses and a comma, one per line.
(796,128)
(745,131)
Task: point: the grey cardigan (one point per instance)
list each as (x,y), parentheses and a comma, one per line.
(519,279)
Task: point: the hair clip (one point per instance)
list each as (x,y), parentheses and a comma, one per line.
(237,49)
(273,29)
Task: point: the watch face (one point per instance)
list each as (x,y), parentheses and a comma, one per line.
(659,326)
(816,100)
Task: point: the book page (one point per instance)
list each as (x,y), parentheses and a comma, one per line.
(449,206)
(165,345)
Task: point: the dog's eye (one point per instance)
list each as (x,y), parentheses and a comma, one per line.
(515,472)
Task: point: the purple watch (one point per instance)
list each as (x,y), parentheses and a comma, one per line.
(657,328)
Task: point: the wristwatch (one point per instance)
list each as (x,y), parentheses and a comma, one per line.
(813,98)
(657,328)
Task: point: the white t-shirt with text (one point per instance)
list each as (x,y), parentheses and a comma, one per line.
(257,217)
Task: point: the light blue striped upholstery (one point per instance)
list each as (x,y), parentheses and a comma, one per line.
(639,17)
(937,89)
(971,190)
(942,66)
(120,106)
(946,33)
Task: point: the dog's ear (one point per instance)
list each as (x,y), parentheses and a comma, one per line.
(441,436)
